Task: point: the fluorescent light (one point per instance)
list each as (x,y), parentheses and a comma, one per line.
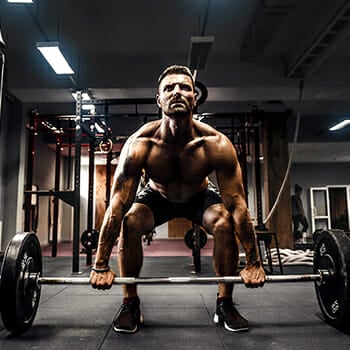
(199,51)
(21,1)
(340,125)
(53,55)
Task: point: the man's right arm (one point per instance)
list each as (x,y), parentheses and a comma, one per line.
(124,188)
(110,230)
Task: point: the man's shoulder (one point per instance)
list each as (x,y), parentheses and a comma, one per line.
(145,133)
(148,129)
(216,139)
(141,139)
(205,128)
(209,132)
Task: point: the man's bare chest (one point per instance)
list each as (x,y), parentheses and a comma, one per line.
(174,164)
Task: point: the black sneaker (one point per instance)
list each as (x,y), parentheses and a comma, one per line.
(227,315)
(129,316)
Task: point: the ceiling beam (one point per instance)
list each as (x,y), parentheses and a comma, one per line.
(331,28)
(266,21)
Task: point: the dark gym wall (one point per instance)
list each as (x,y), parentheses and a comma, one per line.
(12,161)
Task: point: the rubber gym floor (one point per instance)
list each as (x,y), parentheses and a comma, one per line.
(281,316)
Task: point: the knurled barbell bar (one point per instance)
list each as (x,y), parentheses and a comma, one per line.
(21,280)
(321,276)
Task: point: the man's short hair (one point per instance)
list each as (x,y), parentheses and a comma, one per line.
(176,69)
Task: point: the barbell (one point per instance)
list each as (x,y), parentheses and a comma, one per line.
(320,276)
(21,279)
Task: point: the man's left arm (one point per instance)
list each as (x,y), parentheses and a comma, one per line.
(229,177)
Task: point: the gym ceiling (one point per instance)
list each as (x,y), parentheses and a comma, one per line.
(261,50)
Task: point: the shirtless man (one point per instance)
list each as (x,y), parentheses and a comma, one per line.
(178,153)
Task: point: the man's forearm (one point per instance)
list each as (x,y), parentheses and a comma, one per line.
(104,249)
(109,233)
(246,234)
(248,240)
(251,251)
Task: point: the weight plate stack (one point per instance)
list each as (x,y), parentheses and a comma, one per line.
(20,294)
(332,252)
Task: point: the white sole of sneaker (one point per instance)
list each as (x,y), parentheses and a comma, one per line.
(128,331)
(217,321)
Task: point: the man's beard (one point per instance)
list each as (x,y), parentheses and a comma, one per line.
(176,113)
(182,110)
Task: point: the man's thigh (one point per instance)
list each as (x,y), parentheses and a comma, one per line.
(162,210)
(139,218)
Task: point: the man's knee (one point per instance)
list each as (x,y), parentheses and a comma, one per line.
(223,228)
(130,233)
(218,221)
(137,222)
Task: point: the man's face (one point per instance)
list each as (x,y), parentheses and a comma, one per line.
(176,95)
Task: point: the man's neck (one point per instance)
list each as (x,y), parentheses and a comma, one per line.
(177,129)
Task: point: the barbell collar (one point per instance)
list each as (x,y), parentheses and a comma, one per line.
(323,274)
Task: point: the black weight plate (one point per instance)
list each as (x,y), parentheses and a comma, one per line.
(20,295)
(332,252)
(202,92)
(89,239)
(189,238)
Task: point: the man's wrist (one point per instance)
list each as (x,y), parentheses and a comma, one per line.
(254,260)
(100,270)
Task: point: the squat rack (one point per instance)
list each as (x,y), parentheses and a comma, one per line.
(71,196)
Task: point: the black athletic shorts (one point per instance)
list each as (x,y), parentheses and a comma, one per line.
(164,210)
